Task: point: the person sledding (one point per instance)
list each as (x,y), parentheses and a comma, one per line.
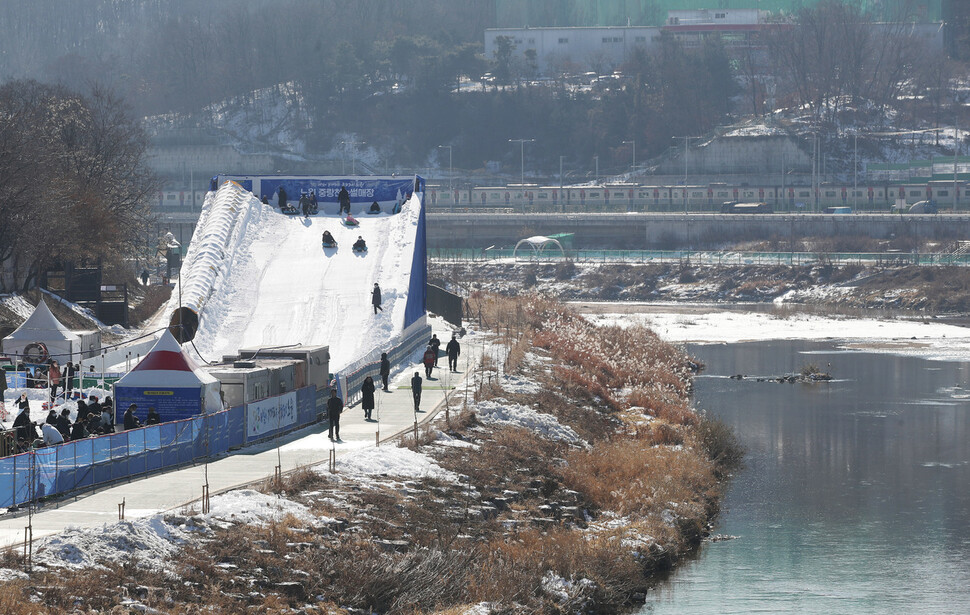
(360,245)
(328,240)
(351,221)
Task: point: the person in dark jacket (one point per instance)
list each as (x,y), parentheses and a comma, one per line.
(131,421)
(453,349)
(94,425)
(82,410)
(375,208)
(314,206)
(281,194)
(343,198)
(79,430)
(335,406)
(51,417)
(435,344)
(416,391)
(375,298)
(428,361)
(26,431)
(153,417)
(305,205)
(63,424)
(144,277)
(367,397)
(385,369)
(360,246)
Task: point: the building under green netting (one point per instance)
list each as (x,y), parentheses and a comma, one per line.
(579,13)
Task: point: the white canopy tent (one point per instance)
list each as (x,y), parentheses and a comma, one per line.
(539,244)
(41,337)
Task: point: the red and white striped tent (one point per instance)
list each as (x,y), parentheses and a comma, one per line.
(170,381)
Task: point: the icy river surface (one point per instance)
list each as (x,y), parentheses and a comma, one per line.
(855,495)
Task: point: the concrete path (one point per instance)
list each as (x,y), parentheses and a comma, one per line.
(170,490)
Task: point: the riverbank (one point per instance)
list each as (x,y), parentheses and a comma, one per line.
(926,290)
(575,474)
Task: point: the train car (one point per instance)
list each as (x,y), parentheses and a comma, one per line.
(746,208)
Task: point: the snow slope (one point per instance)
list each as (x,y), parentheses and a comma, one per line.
(281,287)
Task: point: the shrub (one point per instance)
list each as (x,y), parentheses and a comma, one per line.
(720,443)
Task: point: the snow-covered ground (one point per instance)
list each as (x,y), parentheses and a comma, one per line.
(283,287)
(930,339)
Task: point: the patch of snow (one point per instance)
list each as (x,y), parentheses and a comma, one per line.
(393,461)
(502,412)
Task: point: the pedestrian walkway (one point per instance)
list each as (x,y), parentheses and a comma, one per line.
(394,416)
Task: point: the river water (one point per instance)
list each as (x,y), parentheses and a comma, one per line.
(854,497)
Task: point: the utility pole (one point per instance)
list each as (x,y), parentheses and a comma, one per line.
(562,200)
(450,168)
(634,144)
(522,143)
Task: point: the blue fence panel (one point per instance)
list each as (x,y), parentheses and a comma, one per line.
(237,426)
(66,458)
(136,451)
(46,471)
(23,486)
(219,433)
(119,455)
(102,459)
(153,448)
(7,478)
(184,441)
(84,451)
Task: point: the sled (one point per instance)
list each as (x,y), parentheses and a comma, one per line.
(329,244)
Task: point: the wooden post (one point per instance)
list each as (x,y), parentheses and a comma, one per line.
(121,510)
(333,461)
(377,437)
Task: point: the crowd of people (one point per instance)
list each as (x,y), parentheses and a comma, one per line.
(92,418)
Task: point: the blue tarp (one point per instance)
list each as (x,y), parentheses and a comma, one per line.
(418,288)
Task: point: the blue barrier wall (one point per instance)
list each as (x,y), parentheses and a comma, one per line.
(83,464)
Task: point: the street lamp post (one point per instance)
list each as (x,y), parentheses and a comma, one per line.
(353,163)
(450,168)
(634,144)
(522,143)
(855,173)
(596,160)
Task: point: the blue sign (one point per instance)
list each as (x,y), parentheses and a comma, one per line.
(172,403)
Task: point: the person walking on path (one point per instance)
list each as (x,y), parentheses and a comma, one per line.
(453,349)
(335,406)
(435,344)
(428,362)
(343,198)
(367,397)
(375,298)
(416,391)
(385,369)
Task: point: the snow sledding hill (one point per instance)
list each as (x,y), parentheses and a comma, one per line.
(280,286)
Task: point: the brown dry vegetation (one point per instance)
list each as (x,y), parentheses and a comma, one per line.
(526,508)
(897,287)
